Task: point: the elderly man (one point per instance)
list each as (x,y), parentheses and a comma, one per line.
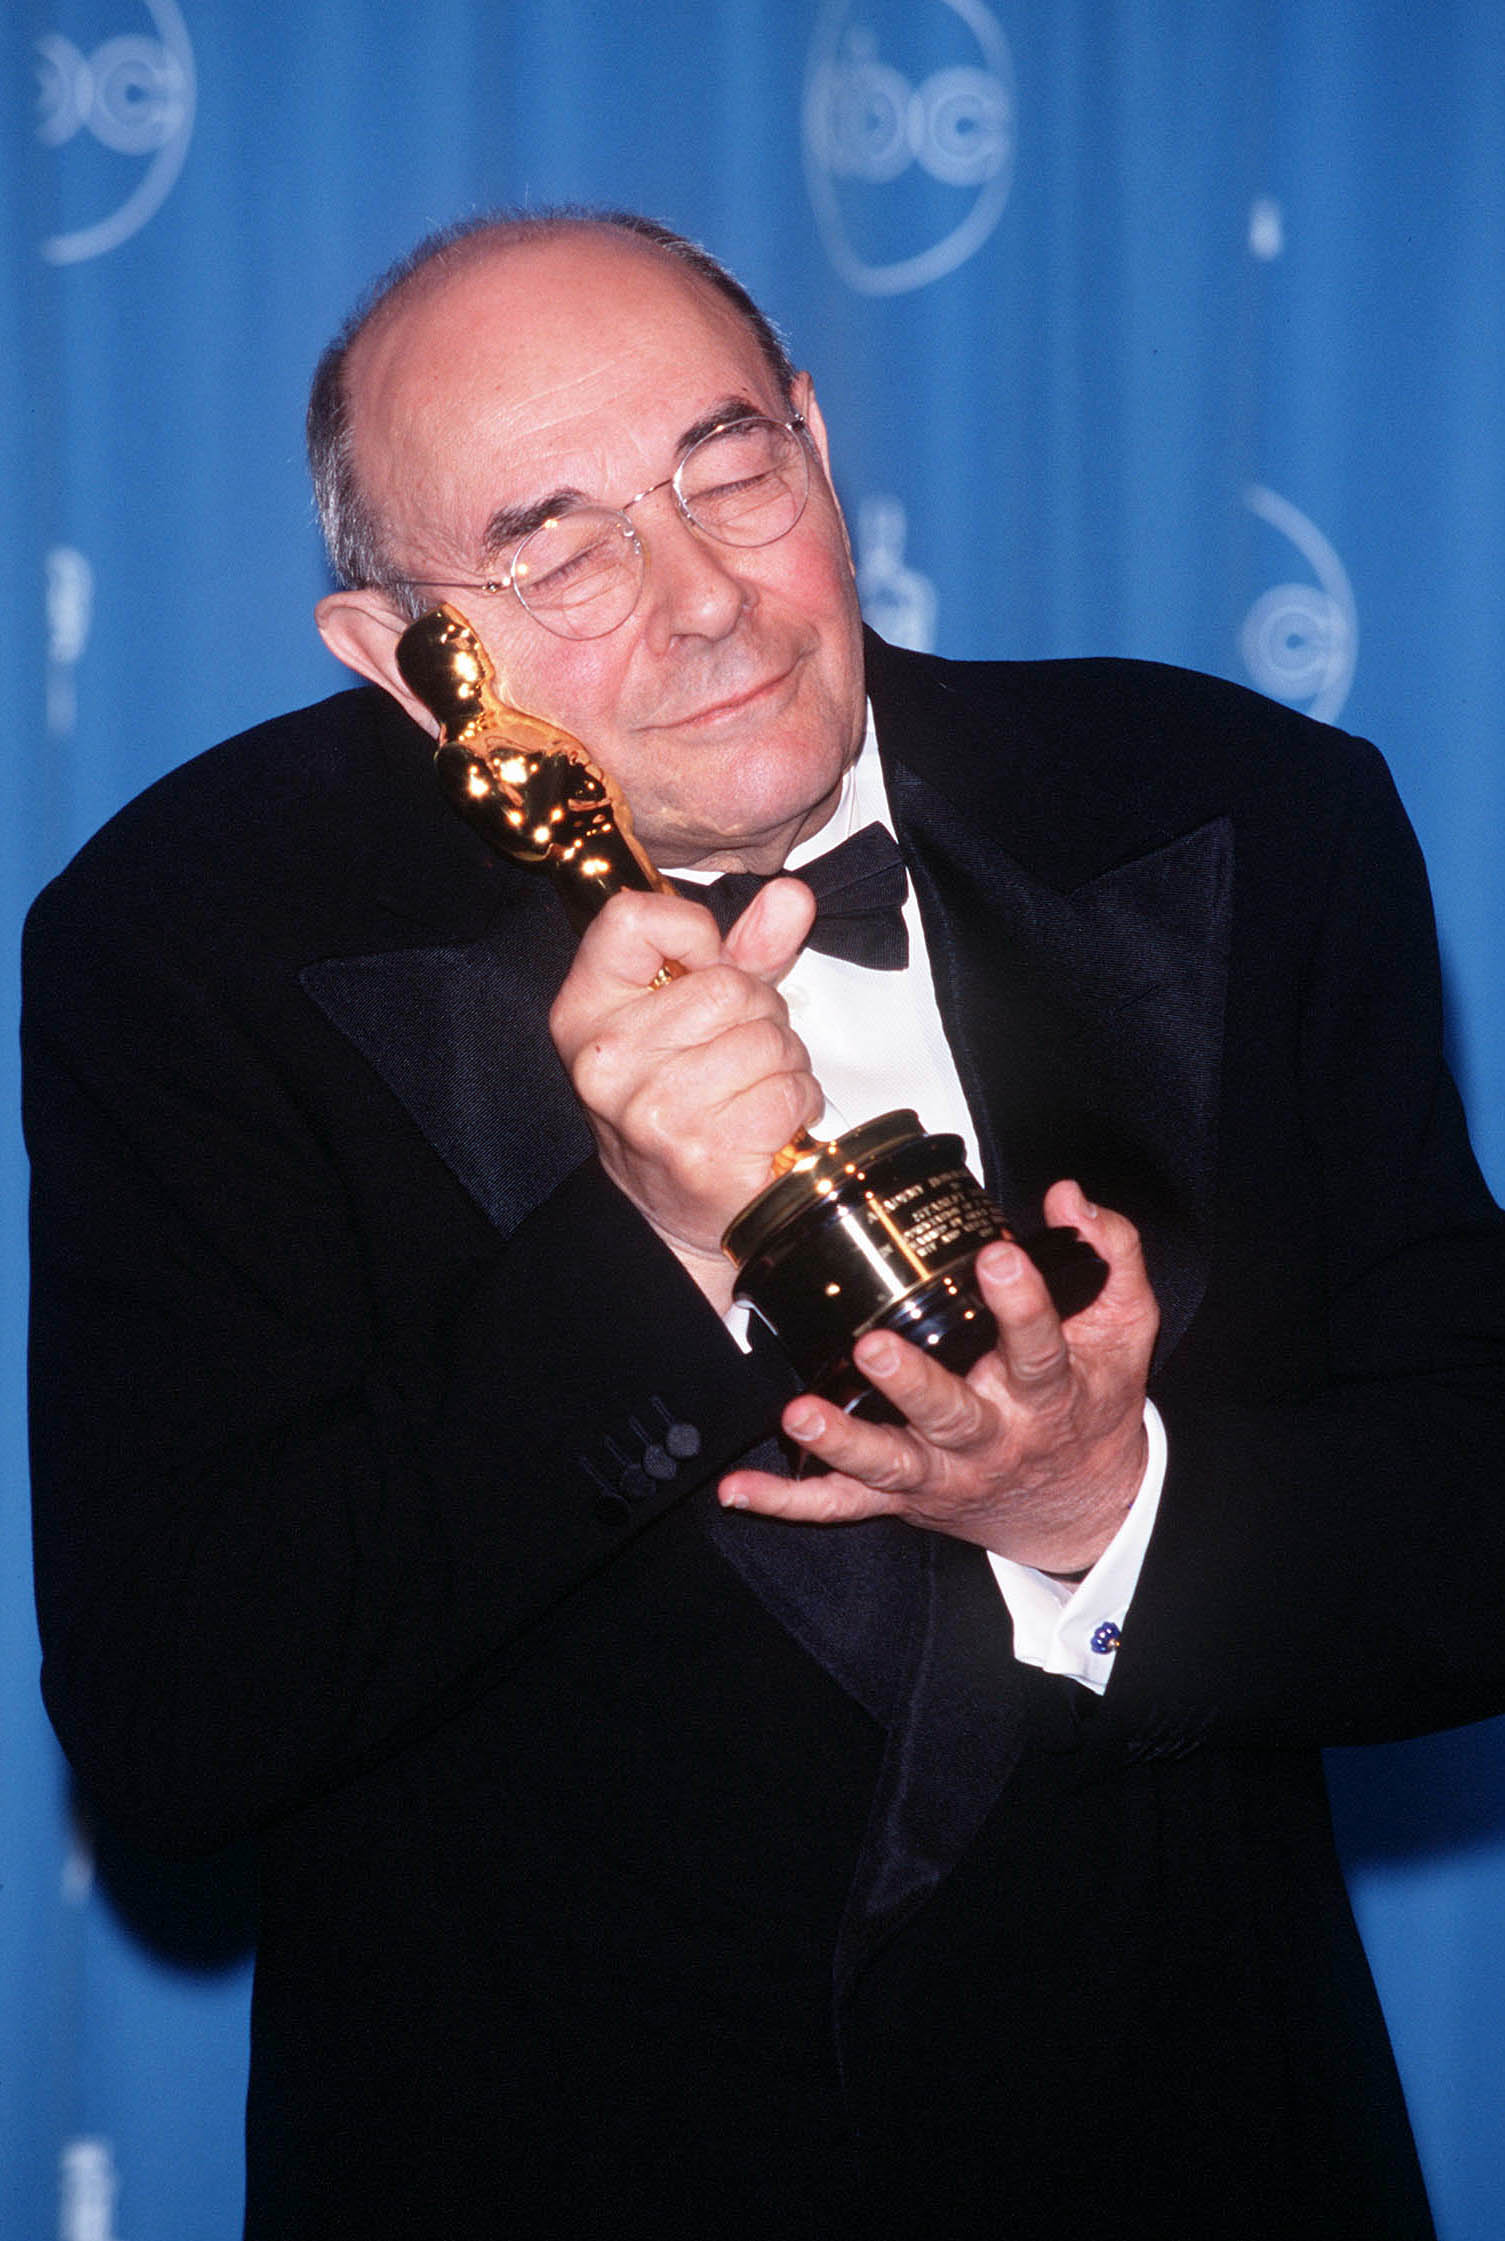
(652,1841)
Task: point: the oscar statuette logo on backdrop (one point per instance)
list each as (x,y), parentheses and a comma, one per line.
(128,101)
(908,133)
(88,2186)
(899,602)
(70,617)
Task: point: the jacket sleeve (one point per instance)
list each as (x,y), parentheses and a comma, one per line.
(1326,1562)
(283,1525)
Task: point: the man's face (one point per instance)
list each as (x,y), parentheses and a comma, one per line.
(731,700)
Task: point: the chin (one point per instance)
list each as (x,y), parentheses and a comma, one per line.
(755,802)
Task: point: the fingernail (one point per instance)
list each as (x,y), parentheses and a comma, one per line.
(730,1499)
(880,1353)
(802,1423)
(1003,1263)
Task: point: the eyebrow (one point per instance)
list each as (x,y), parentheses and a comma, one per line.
(725,409)
(510,524)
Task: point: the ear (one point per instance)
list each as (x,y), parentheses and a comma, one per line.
(361,629)
(803,397)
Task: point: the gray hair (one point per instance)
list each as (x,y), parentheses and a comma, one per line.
(353,536)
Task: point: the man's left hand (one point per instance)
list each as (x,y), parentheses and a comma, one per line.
(1037,1453)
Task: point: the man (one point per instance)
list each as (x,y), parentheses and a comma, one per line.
(653,1842)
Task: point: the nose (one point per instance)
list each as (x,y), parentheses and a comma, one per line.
(692,586)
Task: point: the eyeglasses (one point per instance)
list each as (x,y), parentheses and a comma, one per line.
(580,573)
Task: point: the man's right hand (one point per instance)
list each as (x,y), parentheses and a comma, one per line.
(691,1088)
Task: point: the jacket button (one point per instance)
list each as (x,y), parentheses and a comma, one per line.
(634,1483)
(682,1441)
(658,1463)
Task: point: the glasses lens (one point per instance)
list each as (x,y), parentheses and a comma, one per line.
(580,573)
(747,483)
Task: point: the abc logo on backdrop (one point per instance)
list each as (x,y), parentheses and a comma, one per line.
(1300,641)
(908,129)
(119,113)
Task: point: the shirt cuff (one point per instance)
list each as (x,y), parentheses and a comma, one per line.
(1077,1630)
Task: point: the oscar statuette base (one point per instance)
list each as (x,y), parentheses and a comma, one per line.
(878,1230)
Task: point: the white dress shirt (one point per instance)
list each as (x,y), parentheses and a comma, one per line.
(876,1043)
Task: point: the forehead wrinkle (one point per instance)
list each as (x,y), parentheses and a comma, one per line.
(395,393)
(556,401)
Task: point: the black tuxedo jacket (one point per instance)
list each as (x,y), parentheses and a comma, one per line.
(632,1868)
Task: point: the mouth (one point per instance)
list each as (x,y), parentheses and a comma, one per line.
(757,698)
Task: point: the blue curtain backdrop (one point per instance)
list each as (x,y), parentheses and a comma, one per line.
(1162,327)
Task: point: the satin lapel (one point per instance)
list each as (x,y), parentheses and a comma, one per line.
(1086,1014)
(956,1733)
(913,1627)
(459,1034)
(1087,1023)
(851,1595)
(1087,1027)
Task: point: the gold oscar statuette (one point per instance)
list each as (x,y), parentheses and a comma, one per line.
(877,1229)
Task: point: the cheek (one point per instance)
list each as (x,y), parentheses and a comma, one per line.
(820,586)
(572,685)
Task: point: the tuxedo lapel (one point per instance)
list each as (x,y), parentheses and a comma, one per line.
(851,1595)
(459,1034)
(1084,1003)
(955,1735)
(1086,1022)
(912,1626)
(1087,1028)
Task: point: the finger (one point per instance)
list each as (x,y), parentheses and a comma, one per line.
(832,1500)
(769,935)
(887,1458)
(616,1042)
(764,1116)
(1111,1235)
(749,1086)
(1031,1344)
(627,942)
(695,1009)
(942,1407)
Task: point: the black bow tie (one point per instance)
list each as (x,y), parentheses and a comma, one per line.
(859,888)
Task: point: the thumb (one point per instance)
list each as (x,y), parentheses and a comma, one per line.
(768,936)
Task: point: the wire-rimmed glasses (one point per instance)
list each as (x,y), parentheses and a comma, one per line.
(580,572)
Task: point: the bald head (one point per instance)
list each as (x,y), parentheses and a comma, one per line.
(355,533)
